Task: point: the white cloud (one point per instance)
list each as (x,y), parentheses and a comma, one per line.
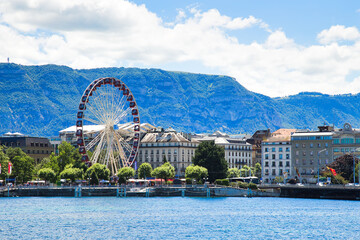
(338,33)
(92,33)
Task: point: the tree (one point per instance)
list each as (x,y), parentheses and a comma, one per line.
(257,170)
(72,173)
(233,172)
(51,162)
(96,172)
(196,172)
(165,171)
(47,174)
(4,161)
(125,173)
(67,154)
(144,170)
(23,168)
(245,171)
(211,157)
(14,152)
(344,166)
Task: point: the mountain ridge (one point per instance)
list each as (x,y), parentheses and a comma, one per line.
(41,100)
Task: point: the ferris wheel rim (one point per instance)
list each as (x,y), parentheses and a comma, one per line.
(124,159)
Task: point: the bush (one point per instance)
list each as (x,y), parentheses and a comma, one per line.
(223,182)
(243,185)
(253,186)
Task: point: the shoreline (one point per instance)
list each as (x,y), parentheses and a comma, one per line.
(285,191)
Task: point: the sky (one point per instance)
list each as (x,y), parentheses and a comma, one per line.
(273,47)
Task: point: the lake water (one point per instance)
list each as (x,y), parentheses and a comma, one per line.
(178,218)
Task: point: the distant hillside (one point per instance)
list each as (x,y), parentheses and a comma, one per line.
(42,100)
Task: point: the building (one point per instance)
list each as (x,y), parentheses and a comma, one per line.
(276,156)
(177,148)
(237,151)
(36,147)
(255,141)
(346,141)
(311,151)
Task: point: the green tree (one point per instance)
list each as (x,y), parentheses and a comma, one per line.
(233,172)
(165,171)
(51,162)
(23,168)
(211,157)
(14,152)
(96,172)
(72,173)
(68,154)
(4,160)
(245,171)
(47,174)
(338,179)
(125,173)
(144,170)
(196,172)
(344,166)
(257,170)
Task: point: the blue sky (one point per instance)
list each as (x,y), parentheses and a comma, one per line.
(276,48)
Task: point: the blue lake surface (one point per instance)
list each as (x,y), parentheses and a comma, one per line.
(178,218)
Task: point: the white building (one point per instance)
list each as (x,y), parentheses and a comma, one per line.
(276,156)
(177,148)
(237,151)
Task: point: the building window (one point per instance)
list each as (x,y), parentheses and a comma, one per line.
(266,156)
(280,149)
(266,149)
(280,164)
(273,156)
(273,164)
(297,145)
(287,149)
(304,145)
(311,145)
(287,164)
(273,172)
(280,156)
(273,149)
(304,161)
(287,156)
(266,164)
(336,141)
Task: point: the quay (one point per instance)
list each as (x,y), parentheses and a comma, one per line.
(127,191)
(285,191)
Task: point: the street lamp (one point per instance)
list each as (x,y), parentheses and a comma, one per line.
(318,180)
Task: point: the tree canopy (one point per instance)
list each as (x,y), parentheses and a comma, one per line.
(47,174)
(72,173)
(125,173)
(344,166)
(211,157)
(196,172)
(165,171)
(23,167)
(233,172)
(96,172)
(144,170)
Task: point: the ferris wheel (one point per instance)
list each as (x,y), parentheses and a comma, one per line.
(108,124)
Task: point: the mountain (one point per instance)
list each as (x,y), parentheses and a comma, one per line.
(42,100)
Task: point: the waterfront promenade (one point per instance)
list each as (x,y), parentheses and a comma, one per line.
(129,191)
(286,191)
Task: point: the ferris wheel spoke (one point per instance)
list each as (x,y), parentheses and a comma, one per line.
(93,121)
(119,109)
(94,141)
(121,151)
(123,115)
(99,147)
(95,113)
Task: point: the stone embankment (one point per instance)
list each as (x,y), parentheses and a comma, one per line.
(158,191)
